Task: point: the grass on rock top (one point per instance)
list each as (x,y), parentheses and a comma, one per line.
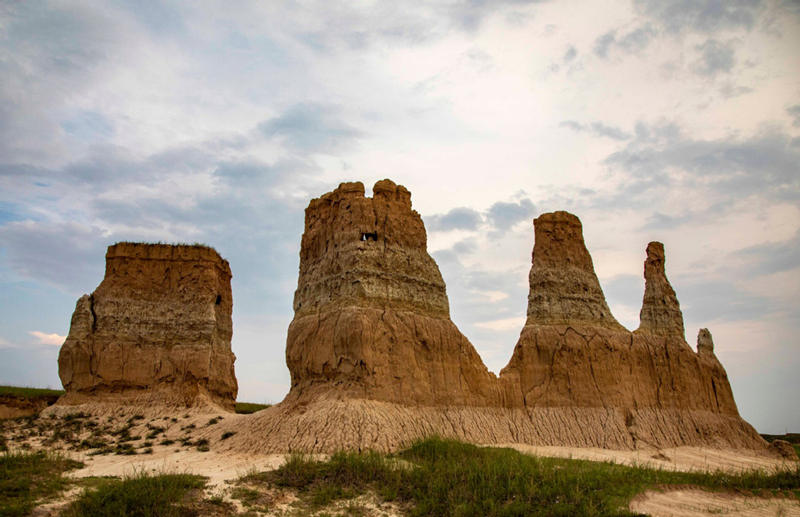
(30,393)
(247,408)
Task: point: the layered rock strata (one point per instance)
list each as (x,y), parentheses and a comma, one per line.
(372,320)
(376,361)
(156,330)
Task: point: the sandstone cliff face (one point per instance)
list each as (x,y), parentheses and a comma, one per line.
(563,285)
(376,362)
(661,313)
(157,329)
(371,312)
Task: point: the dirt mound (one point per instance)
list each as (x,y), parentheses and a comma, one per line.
(376,361)
(156,330)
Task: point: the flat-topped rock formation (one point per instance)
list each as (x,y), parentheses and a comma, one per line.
(157,330)
(376,362)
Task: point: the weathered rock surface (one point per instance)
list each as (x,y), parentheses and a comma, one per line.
(156,330)
(371,312)
(783,449)
(563,285)
(376,361)
(661,313)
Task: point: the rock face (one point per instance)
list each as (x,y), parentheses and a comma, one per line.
(563,286)
(376,361)
(661,313)
(372,318)
(156,330)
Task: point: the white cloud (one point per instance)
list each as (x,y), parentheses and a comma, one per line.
(502,324)
(159,139)
(44,338)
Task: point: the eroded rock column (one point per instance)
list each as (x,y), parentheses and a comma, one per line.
(156,330)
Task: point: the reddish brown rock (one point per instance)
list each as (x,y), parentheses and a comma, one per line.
(661,313)
(156,330)
(783,449)
(372,318)
(563,285)
(376,362)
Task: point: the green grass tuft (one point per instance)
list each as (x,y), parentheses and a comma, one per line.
(26,478)
(31,393)
(246,408)
(445,477)
(137,495)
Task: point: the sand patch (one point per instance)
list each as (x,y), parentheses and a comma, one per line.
(218,467)
(692,503)
(686,459)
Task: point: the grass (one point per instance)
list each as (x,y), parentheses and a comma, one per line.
(26,478)
(447,478)
(246,408)
(793,438)
(138,495)
(31,393)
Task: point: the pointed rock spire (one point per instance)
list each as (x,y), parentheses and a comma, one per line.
(705,344)
(563,285)
(661,313)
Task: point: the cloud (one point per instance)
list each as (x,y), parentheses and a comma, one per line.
(764,162)
(46,52)
(603,43)
(715,58)
(701,15)
(501,216)
(624,290)
(794,112)
(67,255)
(773,257)
(570,54)
(596,128)
(47,339)
(460,218)
(700,301)
(469,15)
(310,127)
(465,246)
(631,43)
(514,323)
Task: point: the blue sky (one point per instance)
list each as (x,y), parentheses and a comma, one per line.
(676,121)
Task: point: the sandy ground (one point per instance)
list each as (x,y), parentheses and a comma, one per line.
(223,468)
(681,458)
(692,503)
(219,468)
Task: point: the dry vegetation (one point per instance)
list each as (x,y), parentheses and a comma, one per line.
(433,477)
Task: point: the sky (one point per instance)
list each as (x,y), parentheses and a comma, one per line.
(211,122)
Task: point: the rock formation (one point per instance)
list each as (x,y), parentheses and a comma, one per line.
(661,313)
(371,313)
(156,330)
(376,361)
